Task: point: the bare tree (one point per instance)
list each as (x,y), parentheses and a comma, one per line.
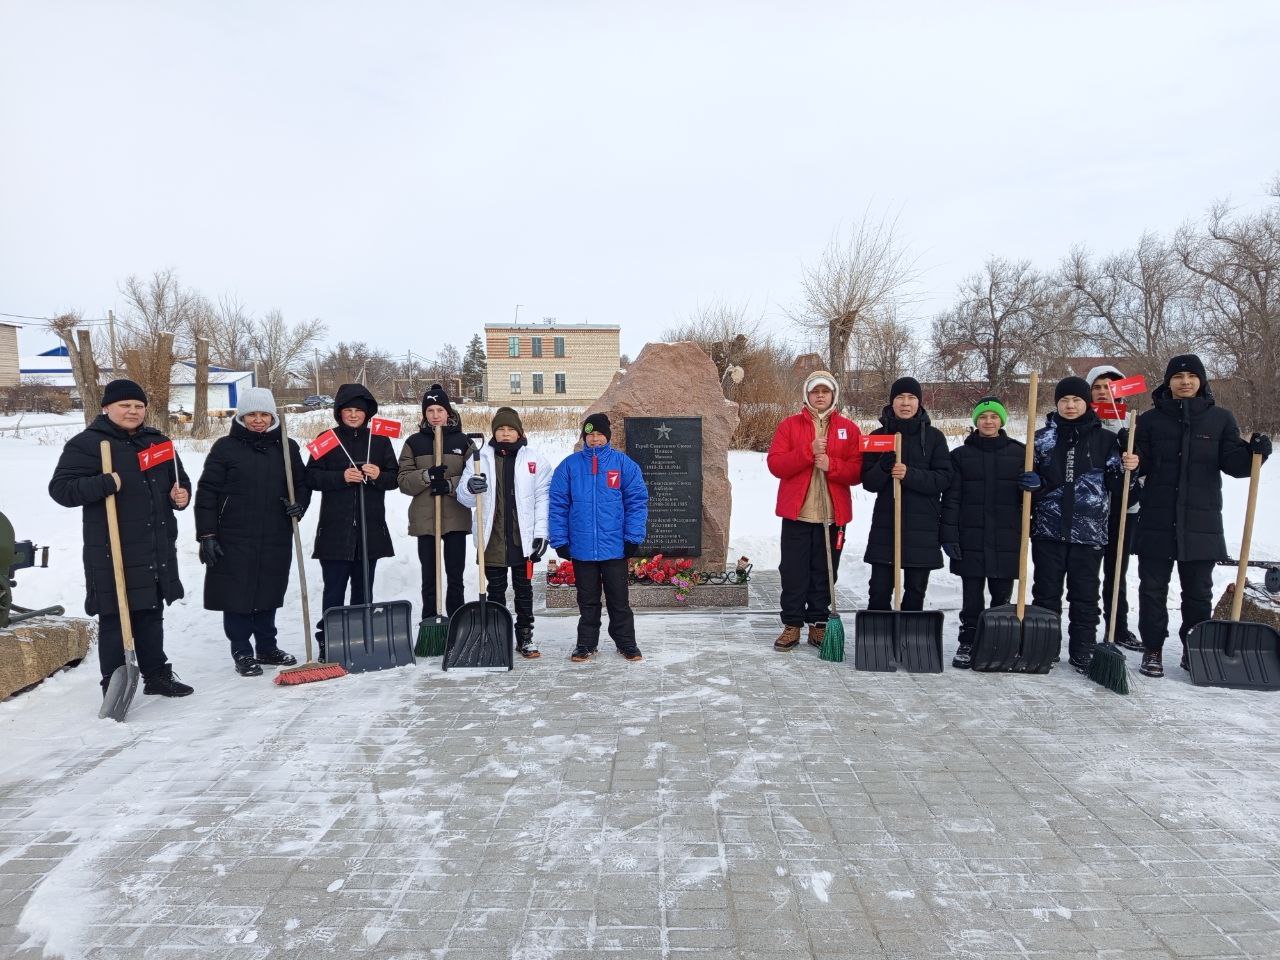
(996,325)
(64,327)
(157,305)
(356,363)
(1236,263)
(231,334)
(857,280)
(729,333)
(280,349)
(885,349)
(1134,305)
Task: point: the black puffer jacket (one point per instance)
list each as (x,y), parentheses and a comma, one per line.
(1184,447)
(924,451)
(338,533)
(148,527)
(982,508)
(238,501)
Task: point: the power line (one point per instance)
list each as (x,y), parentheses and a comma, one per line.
(23,316)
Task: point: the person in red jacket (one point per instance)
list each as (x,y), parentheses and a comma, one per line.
(816,455)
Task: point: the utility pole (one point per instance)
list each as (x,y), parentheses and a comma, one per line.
(315,355)
(517,320)
(111,325)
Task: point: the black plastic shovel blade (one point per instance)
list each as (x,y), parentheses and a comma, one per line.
(481,637)
(1004,643)
(1240,655)
(873,636)
(120,690)
(919,640)
(369,636)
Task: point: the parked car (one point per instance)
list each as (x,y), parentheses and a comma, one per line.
(315,400)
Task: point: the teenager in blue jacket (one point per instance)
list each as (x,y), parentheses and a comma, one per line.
(598,515)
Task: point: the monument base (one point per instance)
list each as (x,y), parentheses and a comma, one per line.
(38,648)
(648,596)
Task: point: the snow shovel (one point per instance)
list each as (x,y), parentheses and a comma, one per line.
(887,639)
(124,679)
(1228,653)
(1107,666)
(1016,636)
(481,634)
(369,636)
(433,630)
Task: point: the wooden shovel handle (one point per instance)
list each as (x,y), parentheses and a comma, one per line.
(117,560)
(897,526)
(297,535)
(1116,584)
(1255,470)
(1028,461)
(439,440)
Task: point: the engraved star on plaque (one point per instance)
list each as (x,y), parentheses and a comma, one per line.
(664,432)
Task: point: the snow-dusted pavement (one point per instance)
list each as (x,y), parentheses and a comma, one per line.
(718,800)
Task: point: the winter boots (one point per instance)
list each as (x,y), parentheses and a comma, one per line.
(1151,664)
(631,654)
(963,660)
(816,632)
(277,658)
(1129,641)
(248,667)
(581,654)
(164,684)
(525,645)
(789,639)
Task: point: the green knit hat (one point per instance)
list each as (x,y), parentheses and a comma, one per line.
(507,417)
(991,405)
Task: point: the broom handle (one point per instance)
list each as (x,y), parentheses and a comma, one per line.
(1237,601)
(439,439)
(1028,461)
(297,537)
(475,472)
(897,526)
(117,560)
(828,518)
(1124,511)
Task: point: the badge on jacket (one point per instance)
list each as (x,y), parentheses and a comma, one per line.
(614,479)
(842,433)
(533,466)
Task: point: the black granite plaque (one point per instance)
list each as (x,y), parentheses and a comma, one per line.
(669,452)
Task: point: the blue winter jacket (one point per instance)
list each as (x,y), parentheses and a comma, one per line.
(598,503)
(1079,465)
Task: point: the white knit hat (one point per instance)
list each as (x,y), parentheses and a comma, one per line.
(257,400)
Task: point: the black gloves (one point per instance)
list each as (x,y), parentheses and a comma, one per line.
(1029,481)
(630,549)
(478,484)
(952,550)
(1260,444)
(210,551)
(293,510)
(562,551)
(437,485)
(539,549)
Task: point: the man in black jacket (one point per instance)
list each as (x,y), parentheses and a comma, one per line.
(1185,444)
(145,504)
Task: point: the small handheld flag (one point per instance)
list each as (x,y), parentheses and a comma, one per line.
(1111,411)
(155,454)
(1129,386)
(877,443)
(322,444)
(380,427)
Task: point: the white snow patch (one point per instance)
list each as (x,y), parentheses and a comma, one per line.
(1044,913)
(819,883)
(337,884)
(901,894)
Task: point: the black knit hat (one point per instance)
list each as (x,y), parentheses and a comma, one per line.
(597,423)
(906,385)
(437,397)
(118,390)
(1186,363)
(1072,387)
(507,417)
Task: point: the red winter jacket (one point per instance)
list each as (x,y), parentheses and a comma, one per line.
(790,459)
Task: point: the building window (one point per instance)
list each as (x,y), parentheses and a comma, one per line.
(537,381)
(513,346)
(559,346)
(515,383)
(560,385)
(535,344)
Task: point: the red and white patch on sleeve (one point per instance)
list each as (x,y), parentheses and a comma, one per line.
(614,479)
(533,466)
(842,433)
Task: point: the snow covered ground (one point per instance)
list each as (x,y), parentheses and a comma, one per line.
(716,801)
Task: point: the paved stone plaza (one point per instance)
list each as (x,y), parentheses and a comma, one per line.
(717,801)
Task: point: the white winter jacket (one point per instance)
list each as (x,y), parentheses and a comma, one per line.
(533,493)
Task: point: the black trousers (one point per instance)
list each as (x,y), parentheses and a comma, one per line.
(148,642)
(337,574)
(242,627)
(915,581)
(521,585)
(1109,570)
(454,548)
(1079,565)
(975,601)
(593,576)
(805,597)
(1154,574)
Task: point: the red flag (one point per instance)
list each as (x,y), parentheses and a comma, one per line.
(380,427)
(154,454)
(1129,386)
(877,443)
(322,444)
(1111,411)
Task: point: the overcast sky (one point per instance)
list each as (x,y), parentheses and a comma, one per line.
(410,171)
